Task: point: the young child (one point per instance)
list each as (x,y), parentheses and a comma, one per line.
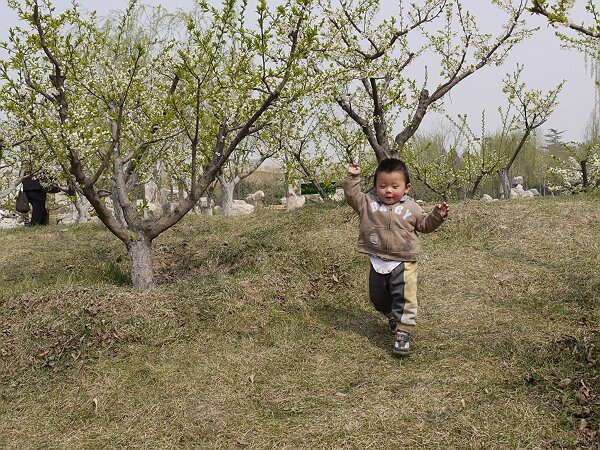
(388,225)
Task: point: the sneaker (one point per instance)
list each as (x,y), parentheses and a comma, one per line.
(392,324)
(402,343)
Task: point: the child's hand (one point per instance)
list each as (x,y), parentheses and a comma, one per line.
(443,209)
(354,169)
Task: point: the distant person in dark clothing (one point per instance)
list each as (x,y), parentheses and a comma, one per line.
(36,194)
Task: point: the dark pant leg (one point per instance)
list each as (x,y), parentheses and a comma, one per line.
(379,291)
(39,214)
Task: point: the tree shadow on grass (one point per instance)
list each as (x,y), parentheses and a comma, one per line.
(361,322)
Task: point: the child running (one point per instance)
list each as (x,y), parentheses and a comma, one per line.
(388,225)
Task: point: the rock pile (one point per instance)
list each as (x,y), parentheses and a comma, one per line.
(10,219)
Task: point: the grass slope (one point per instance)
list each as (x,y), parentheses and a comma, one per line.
(260,335)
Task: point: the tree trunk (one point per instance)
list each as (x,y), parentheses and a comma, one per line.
(227,190)
(320,190)
(584,174)
(504,182)
(118,211)
(288,194)
(473,193)
(140,262)
(82,205)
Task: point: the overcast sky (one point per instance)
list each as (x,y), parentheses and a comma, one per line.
(546,64)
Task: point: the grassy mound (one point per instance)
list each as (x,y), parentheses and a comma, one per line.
(260,335)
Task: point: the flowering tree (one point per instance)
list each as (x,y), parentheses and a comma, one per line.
(380,78)
(453,162)
(580,171)
(110,104)
(10,157)
(532,109)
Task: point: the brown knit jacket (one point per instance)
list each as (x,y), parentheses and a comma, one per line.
(389,231)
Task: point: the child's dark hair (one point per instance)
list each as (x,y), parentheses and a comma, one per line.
(392,165)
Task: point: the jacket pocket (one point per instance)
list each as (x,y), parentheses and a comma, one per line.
(400,241)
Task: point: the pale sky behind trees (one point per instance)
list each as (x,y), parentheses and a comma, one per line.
(546,64)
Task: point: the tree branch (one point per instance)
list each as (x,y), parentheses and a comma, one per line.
(554,19)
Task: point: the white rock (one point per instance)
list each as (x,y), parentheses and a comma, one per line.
(256,199)
(293,202)
(205,207)
(7,214)
(154,209)
(338,196)
(517,192)
(7,223)
(240,207)
(204,203)
(313,198)
(67,218)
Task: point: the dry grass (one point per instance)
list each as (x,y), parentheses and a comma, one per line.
(260,336)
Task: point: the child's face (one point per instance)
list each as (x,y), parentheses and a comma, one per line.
(391,187)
